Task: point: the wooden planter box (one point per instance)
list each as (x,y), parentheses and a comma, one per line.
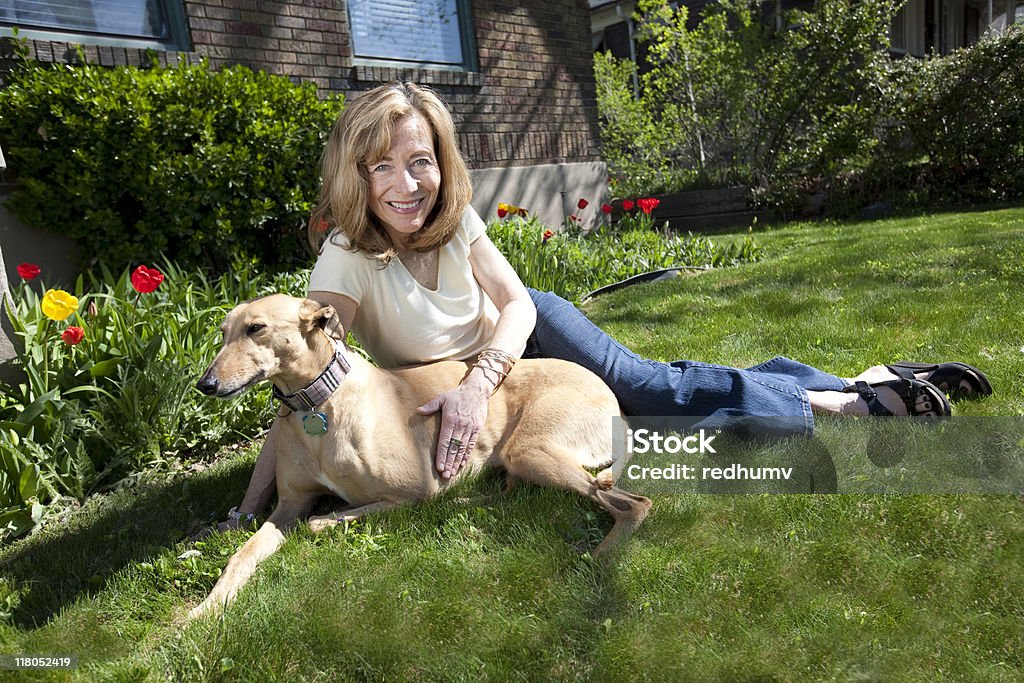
(716,210)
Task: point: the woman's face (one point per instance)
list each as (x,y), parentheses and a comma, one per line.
(405,182)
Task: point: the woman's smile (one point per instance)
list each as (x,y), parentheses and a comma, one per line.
(405,207)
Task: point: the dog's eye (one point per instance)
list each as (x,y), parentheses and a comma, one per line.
(254,328)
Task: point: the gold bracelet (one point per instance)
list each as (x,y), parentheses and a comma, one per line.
(506,360)
(487,367)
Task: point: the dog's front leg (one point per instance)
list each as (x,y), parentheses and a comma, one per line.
(321,522)
(242,564)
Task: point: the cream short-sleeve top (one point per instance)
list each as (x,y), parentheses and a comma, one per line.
(401,322)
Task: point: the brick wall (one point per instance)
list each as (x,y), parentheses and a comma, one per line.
(531,102)
(537,103)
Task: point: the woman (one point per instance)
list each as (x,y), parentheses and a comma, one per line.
(406,263)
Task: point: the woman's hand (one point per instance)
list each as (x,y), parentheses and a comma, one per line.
(463,413)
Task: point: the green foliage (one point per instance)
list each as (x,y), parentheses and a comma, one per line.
(816,106)
(88,416)
(632,141)
(211,169)
(736,100)
(954,130)
(572,263)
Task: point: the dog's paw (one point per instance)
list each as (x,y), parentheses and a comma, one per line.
(202,609)
(321,522)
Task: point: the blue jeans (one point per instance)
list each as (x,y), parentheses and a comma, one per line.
(774,393)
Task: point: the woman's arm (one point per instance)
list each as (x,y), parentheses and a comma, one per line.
(516,312)
(464,408)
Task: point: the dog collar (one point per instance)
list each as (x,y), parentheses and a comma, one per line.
(322,387)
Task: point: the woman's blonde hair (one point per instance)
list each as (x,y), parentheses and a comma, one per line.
(363,134)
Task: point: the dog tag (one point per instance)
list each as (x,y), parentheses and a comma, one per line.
(315,424)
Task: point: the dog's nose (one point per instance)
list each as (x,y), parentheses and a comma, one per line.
(207,385)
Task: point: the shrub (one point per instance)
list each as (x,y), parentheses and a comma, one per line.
(816,106)
(736,100)
(210,169)
(955,127)
(633,144)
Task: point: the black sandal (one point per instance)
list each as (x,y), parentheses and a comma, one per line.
(909,391)
(947,377)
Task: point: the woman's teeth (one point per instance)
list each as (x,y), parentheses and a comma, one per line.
(405,205)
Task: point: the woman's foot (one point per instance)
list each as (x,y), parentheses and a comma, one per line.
(896,397)
(959,380)
(918,397)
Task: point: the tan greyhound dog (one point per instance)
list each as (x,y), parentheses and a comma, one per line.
(365,443)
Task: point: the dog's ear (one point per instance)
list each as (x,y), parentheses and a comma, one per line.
(314,316)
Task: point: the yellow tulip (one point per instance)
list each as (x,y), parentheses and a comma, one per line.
(58,304)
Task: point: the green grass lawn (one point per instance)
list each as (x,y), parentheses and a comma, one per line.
(712,587)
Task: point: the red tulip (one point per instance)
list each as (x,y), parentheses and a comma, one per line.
(28,271)
(146,280)
(627,204)
(547,235)
(502,212)
(606,208)
(649,204)
(582,204)
(73,335)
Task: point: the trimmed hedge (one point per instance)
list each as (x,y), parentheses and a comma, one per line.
(955,128)
(210,169)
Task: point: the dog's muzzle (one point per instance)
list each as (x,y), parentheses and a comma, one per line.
(208,384)
(211,386)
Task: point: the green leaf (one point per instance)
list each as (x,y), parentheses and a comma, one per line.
(17,429)
(15,522)
(37,407)
(105,368)
(153,347)
(29,485)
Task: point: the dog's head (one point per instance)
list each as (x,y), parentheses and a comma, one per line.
(264,339)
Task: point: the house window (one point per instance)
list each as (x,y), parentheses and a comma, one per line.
(898,31)
(422,32)
(132,23)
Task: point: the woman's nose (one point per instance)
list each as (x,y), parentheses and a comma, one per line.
(407,180)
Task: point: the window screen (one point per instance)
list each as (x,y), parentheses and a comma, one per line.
(425,31)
